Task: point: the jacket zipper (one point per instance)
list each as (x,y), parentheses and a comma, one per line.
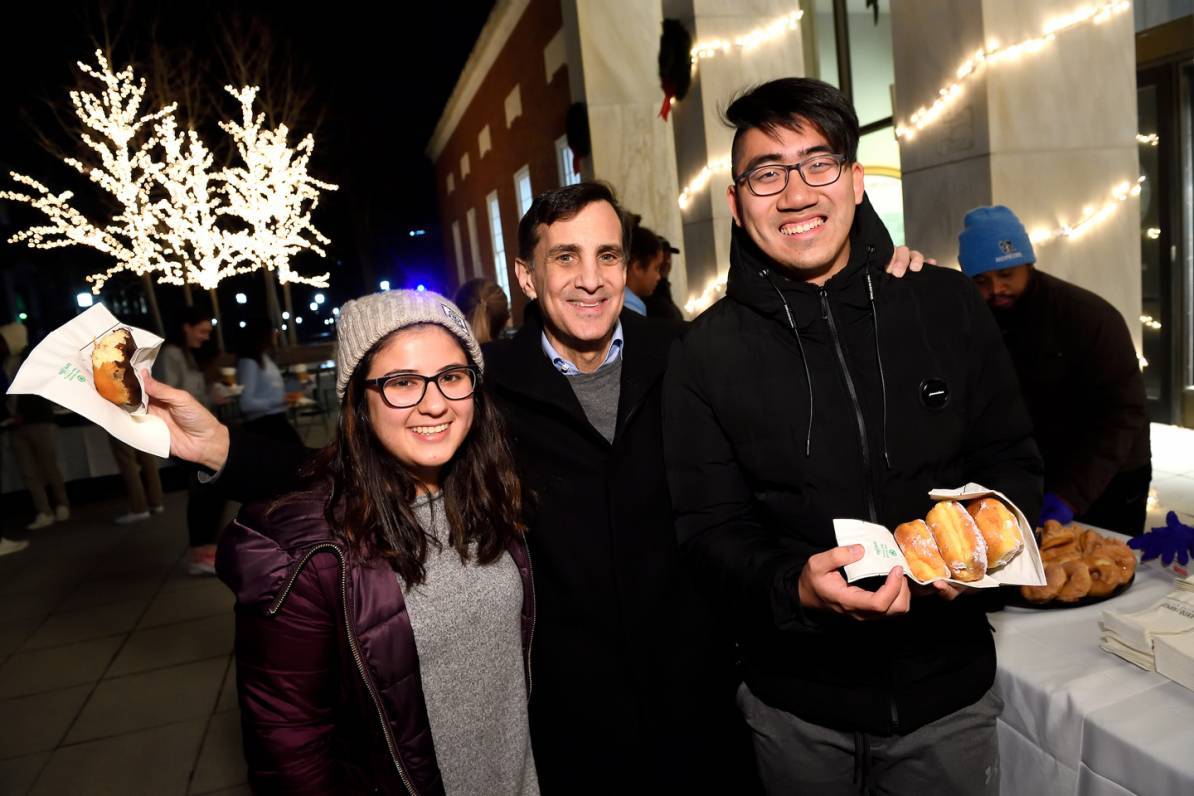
(827,314)
(352,645)
(534,618)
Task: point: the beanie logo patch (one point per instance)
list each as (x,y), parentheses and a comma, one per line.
(1010,252)
(455,317)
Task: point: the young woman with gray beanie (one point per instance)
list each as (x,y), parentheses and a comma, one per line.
(385,612)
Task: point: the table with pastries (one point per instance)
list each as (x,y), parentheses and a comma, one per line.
(1078,720)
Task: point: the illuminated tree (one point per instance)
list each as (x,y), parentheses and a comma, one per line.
(122,140)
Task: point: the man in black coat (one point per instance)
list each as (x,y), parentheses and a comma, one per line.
(820,388)
(1079,373)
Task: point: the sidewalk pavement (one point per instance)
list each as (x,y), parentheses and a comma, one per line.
(116,671)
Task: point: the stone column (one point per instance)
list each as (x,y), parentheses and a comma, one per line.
(632,147)
(1049,133)
(701,138)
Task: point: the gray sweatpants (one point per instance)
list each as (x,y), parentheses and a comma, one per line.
(957,754)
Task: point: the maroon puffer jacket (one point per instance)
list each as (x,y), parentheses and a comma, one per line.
(327,672)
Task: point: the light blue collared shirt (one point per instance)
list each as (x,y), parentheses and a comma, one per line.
(632,302)
(569,368)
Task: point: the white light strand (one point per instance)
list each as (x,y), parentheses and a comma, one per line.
(701,302)
(776,28)
(1092,216)
(1152,233)
(698,183)
(1152,139)
(1151,322)
(993,54)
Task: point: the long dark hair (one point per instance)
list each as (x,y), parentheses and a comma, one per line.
(177,336)
(255,340)
(370,507)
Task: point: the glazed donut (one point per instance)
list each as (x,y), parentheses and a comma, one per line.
(1122,556)
(999,528)
(1105,575)
(924,559)
(1055,578)
(1055,535)
(1061,554)
(962,546)
(112,369)
(1077,582)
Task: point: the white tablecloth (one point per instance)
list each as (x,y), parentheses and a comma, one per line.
(1082,721)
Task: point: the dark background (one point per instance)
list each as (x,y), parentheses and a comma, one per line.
(377,76)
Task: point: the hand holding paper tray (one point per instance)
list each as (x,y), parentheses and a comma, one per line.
(59,369)
(882,553)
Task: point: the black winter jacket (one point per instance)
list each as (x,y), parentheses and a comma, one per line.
(757,473)
(633,694)
(1083,386)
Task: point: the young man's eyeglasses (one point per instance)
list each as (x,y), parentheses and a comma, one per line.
(404,390)
(772,178)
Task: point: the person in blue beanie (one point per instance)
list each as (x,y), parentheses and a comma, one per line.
(1079,373)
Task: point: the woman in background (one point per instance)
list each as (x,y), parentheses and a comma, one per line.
(177,364)
(485,306)
(263,402)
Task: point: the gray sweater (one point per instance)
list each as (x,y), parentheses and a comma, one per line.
(466,621)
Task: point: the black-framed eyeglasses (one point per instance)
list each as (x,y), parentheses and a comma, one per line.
(404,390)
(772,178)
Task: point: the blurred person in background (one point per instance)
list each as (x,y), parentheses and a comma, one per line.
(1079,374)
(264,401)
(642,272)
(8,368)
(34,439)
(145,496)
(485,306)
(660,303)
(178,365)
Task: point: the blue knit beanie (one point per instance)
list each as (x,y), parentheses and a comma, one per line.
(993,238)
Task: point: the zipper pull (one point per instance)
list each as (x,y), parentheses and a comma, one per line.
(824,304)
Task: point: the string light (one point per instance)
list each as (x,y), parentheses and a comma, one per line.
(994,54)
(701,302)
(698,183)
(1151,322)
(1152,139)
(1152,233)
(1092,216)
(776,28)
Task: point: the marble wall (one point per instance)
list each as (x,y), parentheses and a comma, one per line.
(1048,134)
(700,136)
(618,47)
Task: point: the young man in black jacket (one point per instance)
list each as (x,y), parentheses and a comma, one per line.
(1079,373)
(821,388)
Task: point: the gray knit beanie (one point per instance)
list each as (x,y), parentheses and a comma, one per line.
(368,319)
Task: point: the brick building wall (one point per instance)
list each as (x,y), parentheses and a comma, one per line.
(530,63)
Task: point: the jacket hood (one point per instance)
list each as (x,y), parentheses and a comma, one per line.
(870,248)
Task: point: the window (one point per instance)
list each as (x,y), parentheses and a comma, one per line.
(566,162)
(499,245)
(464,166)
(459,252)
(522,190)
(474,246)
(484,144)
(513,105)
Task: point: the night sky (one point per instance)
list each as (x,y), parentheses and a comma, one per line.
(378,76)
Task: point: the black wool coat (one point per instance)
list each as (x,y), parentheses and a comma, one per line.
(633,686)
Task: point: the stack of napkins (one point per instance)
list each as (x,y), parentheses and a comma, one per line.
(1134,636)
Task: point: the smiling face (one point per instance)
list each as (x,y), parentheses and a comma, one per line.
(805,230)
(426,436)
(578,273)
(197,334)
